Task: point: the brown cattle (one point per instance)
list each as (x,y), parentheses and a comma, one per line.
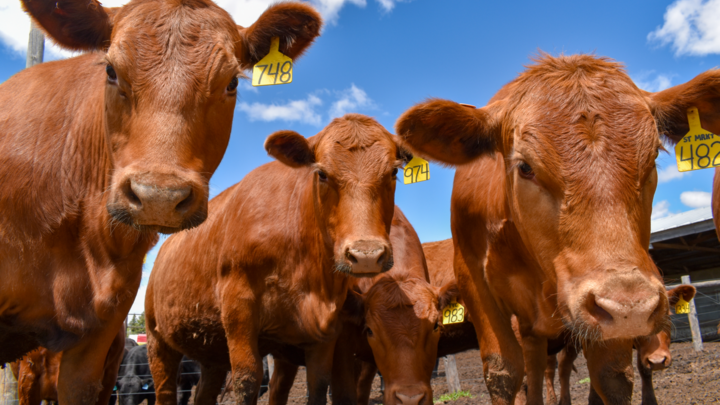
(37,372)
(653,353)
(551,212)
(391,323)
(100,152)
(271,265)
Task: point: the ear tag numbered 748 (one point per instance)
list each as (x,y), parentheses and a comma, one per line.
(453,313)
(417,170)
(682,306)
(275,68)
(699,149)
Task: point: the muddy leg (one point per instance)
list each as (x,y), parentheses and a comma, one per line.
(164,362)
(611,371)
(566,359)
(319,359)
(550,379)
(281,381)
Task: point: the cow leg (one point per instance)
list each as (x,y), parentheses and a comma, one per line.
(164,362)
(648,391)
(319,361)
(82,367)
(364,385)
(210,384)
(344,377)
(281,381)
(27,385)
(535,352)
(550,379)
(501,354)
(611,371)
(112,365)
(566,359)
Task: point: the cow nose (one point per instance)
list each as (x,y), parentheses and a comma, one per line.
(369,257)
(160,199)
(657,363)
(409,399)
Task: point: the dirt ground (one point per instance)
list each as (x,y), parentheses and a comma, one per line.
(693,379)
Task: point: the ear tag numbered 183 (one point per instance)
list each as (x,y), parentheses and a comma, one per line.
(453,313)
(682,306)
(275,68)
(417,170)
(699,149)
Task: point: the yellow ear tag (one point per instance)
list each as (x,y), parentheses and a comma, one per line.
(275,68)
(417,170)
(682,306)
(145,259)
(453,313)
(699,149)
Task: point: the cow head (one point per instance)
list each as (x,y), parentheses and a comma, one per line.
(354,163)
(579,142)
(170,70)
(402,318)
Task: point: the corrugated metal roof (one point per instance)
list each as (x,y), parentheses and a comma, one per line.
(684,223)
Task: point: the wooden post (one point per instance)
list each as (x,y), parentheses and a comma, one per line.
(8,387)
(451,373)
(694,323)
(271,365)
(36,46)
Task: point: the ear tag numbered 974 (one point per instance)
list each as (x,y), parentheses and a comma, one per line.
(453,313)
(699,149)
(682,306)
(275,68)
(417,170)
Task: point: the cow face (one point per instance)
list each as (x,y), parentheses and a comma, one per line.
(354,163)
(654,351)
(402,319)
(579,142)
(170,71)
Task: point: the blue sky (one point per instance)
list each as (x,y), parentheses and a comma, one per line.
(379,57)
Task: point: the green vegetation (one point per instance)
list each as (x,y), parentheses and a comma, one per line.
(137,324)
(584,381)
(453,397)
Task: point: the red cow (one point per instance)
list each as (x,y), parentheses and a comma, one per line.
(271,265)
(653,353)
(551,212)
(100,152)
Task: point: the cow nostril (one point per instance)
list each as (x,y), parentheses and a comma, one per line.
(597,311)
(134,200)
(185,204)
(351,257)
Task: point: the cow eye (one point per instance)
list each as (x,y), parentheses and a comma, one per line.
(322,175)
(233,85)
(112,76)
(394,173)
(526,171)
(368,331)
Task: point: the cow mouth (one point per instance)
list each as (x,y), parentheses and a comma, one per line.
(120,215)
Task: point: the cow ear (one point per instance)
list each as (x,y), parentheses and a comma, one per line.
(670,106)
(290,148)
(77,25)
(403,152)
(448,132)
(296,24)
(447,294)
(353,309)
(685,291)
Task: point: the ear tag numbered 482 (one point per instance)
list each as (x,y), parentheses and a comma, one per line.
(275,68)
(417,170)
(682,306)
(699,149)
(453,313)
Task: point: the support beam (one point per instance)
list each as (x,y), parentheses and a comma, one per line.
(694,323)
(8,387)
(36,46)
(451,373)
(684,247)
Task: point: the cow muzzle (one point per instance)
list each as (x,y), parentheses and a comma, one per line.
(365,258)
(161,203)
(409,395)
(624,305)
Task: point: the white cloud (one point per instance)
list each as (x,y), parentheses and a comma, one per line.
(691,27)
(350,100)
(669,173)
(296,110)
(308,111)
(138,306)
(15,24)
(646,82)
(660,210)
(696,199)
